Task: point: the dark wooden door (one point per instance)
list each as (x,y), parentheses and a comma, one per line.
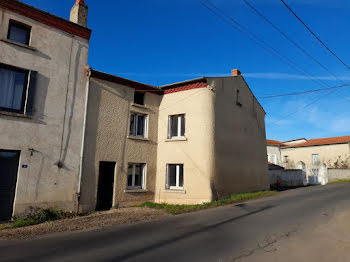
(9,161)
(105,186)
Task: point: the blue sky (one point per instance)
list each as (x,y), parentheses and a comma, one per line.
(161,41)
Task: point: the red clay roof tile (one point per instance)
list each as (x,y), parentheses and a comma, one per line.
(323,141)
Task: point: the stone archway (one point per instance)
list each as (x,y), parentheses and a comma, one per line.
(301,165)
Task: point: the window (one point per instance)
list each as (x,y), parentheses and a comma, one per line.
(16,89)
(272,158)
(175,176)
(139,98)
(315,159)
(176,126)
(138,125)
(136,176)
(19,32)
(238,100)
(285,159)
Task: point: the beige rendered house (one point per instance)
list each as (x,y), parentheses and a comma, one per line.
(188,142)
(42,96)
(313,155)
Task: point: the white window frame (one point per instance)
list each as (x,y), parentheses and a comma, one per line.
(145,123)
(143,177)
(318,159)
(177,187)
(179,127)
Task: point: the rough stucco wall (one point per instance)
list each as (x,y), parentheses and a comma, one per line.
(196,153)
(275,150)
(338,174)
(107,128)
(329,155)
(240,141)
(60,60)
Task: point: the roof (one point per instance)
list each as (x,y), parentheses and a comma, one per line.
(323,141)
(185,85)
(273,166)
(126,82)
(45,18)
(295,140)
(274,142)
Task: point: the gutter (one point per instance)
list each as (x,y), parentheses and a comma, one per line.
(83,137)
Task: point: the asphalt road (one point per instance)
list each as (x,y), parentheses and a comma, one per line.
(306,224)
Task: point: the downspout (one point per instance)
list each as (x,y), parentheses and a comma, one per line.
(83,137)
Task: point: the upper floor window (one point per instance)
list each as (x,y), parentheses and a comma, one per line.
(176,126)
(136,176)
(138,125)
(17,88)
(19,32)
(315,159)
(175,176)
(139,98)
(285,159)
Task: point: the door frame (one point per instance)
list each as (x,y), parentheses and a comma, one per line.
(16,178)
(114,181)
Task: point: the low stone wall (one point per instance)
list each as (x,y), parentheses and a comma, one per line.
(338,174)
(289,177)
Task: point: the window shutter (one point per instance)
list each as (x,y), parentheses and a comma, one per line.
(31,92)
(169,127)
(167,177)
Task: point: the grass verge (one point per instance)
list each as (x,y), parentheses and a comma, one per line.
(179,209)
(340,181)
(37,216)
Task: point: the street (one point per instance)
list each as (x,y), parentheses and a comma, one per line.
(305,224)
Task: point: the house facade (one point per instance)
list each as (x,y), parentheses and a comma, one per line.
(78,139)
(314,156)
(171,144)
(42,97)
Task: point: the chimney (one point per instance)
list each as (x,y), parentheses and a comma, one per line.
(236,72)
(79,13)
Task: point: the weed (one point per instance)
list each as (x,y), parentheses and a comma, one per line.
(179,209)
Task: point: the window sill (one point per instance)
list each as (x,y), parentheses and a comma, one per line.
(176,139)
(135,191)
(178,191)
(138,138)
(140,106)
(5,113)
(18,44)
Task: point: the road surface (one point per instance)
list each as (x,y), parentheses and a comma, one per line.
(305,224)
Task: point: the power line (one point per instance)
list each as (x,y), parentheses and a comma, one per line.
(306,92)
(325,46)
(260,42)
(304,106)
(290,40)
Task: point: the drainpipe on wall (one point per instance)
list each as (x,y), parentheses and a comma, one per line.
(83,136)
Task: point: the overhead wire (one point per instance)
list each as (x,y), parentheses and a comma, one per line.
(314,34)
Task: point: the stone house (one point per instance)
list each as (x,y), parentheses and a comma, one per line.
(42,96)
(188,142)
(77,139)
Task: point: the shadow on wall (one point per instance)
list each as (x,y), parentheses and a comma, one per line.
(89,179)
(75,86)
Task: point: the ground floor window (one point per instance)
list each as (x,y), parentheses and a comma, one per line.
(136,176)
(175,176)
